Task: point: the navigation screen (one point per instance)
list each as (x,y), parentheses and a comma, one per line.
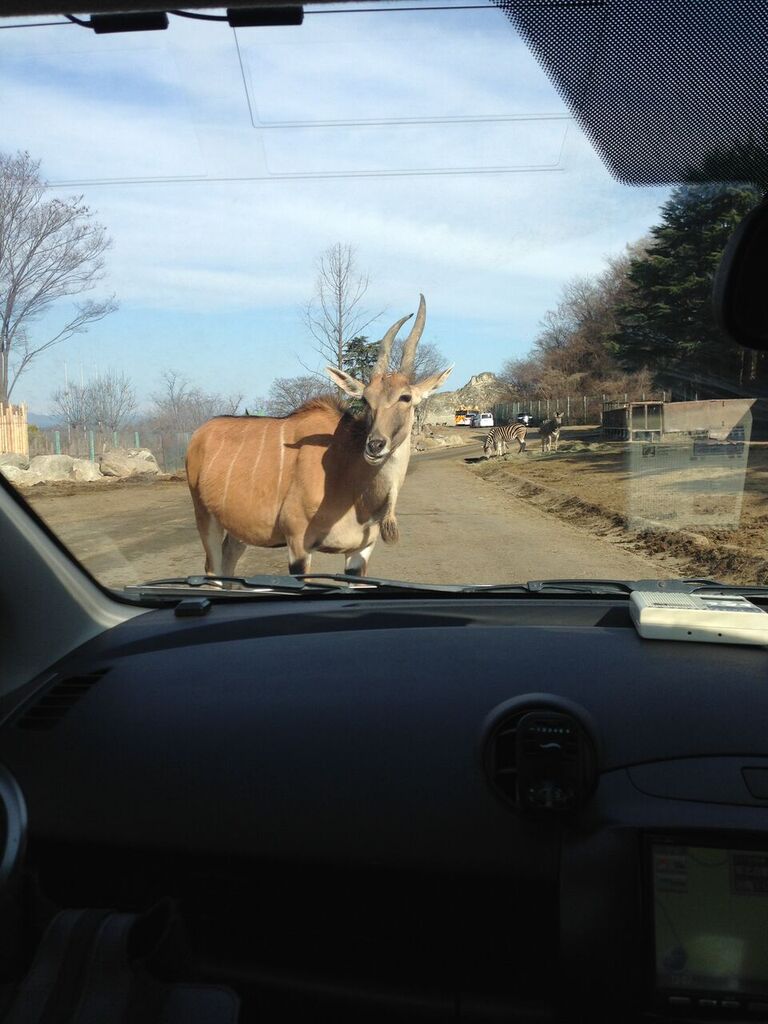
(711,919)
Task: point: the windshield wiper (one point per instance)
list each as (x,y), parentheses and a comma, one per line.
(712,587)
(555,586)
(326,583)
(234,584)
(306,583)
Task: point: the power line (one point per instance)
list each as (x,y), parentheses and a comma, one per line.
(312,176)
(38,24)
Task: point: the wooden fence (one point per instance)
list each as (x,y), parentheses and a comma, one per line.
(14,436)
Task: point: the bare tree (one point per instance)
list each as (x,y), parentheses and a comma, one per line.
(112,399)
(50,249)
(288,393)
(521,376)
(335,314)
(72,403)
(181,407)
(428,360)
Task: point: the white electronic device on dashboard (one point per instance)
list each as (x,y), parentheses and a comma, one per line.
(712,618)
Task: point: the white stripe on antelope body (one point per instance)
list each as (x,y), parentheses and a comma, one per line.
(321,479)
(549,431)
(499,437)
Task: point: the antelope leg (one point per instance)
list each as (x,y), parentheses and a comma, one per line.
(232,550)
(212,536)
(298,559)
(356,563)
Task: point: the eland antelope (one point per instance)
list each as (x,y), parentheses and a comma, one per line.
(549,431)
(320,479)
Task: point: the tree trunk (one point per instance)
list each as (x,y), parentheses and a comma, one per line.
(3,373)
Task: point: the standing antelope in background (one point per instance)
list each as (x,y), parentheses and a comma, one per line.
(499,437)
(550,431)
(321,479)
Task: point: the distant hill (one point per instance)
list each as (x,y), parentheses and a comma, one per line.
(482,391)
(36,419)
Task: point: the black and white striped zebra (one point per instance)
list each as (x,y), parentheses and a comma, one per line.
(499,437)
(549,431)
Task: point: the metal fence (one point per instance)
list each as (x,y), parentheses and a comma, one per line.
(577,409)
(169,448)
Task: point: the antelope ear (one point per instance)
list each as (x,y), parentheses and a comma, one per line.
(347,384)
(425,387)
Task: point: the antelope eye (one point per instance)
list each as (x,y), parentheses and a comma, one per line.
(405,398)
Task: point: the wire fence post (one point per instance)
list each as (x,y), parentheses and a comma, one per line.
(57,442)
(91,446)
(136,439)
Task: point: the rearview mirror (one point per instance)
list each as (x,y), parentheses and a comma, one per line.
(740,293)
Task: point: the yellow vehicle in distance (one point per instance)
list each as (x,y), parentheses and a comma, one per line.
(463,417)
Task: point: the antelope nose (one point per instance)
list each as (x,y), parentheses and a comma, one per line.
(375,445)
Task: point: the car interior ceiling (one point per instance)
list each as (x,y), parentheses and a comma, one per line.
(288,808)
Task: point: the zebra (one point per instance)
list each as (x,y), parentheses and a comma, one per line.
(549,431)
(499,437)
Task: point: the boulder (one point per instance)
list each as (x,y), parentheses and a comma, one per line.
(84,470)
(52,467)
(20,477)
(125,462)
(11,459)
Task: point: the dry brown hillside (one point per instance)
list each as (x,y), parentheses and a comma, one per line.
(481,392)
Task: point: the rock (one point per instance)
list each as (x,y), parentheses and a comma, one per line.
(11,459)
(52,467)
(125,462)
(482,391)
(698,540)
(20,477)
(84,470)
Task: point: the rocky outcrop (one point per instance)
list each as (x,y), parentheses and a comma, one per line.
(51,468)
(427,441)
(11,459)
(125,462)
(47,469)
(482,391)
(20,477)
(113,465)
(86,471)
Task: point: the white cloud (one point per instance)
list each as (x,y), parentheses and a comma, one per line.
(489,251)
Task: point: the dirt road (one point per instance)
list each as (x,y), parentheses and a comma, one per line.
(454,528)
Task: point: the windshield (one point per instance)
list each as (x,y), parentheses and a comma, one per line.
(210,237)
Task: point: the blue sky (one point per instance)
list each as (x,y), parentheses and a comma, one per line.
(200,151)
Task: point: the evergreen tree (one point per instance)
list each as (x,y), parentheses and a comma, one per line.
(359,358)
(667,322)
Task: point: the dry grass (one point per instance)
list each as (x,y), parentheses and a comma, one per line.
(710,514)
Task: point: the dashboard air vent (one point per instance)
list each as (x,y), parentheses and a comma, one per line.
(541,759)
(50,708)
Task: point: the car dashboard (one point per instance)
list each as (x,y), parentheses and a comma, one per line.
(475,808)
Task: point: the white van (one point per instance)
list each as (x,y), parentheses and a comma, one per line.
(485,419)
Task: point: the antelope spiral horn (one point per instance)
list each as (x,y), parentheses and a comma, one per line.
(409,348)
(385,347)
